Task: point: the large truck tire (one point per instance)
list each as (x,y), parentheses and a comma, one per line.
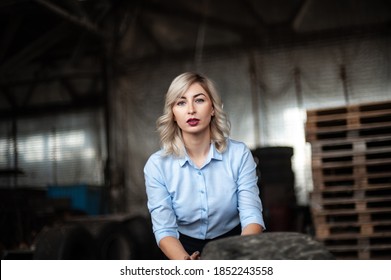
(64,242)
(267,246)
(140,229)
(113,240)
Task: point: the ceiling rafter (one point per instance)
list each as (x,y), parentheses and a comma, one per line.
(7,3)
(244,31)
(50,77)
(82,21)
(34,49)
(149,34)
(91,101)
(70,88)
(300,14)
(10,33)
(76,7)
(252,11)
(84,32)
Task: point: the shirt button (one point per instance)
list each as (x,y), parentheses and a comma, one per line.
(202,191)
(199,173)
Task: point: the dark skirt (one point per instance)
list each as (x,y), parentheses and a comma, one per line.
(192,245)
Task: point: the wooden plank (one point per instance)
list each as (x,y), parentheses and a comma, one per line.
(351,215)
(361,179)
(367,229)
(352,157)
(330,144)
(366,109)
(357,196)
(351,120)
(360,172)
(353,205)
(344,122)
(376,246)
(374,129)
(356,191)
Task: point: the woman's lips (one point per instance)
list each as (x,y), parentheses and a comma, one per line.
(193,122)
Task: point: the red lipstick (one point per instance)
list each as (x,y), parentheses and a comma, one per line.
(193,121)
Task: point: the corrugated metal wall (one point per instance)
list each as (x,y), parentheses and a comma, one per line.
(283,82)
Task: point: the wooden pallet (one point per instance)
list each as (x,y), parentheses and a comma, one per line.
(349,133)
(361,229)
(354,246)
(335,148)
(355,204)
(372,242)
(361,163)
(351,215)
(351,180)
(323,196)
(366,110)
(349,122)
(351,170)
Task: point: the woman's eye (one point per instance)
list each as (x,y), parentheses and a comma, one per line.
(180,103)
(200,100)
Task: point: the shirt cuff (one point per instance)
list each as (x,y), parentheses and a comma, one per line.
(253,220)
(160,234)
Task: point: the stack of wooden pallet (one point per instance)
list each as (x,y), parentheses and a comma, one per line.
(351,164)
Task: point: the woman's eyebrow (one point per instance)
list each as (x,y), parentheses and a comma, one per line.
(198,94)
(194,96)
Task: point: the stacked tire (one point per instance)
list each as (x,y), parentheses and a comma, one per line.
(94,239)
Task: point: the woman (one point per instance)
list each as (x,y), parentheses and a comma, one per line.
(201,185)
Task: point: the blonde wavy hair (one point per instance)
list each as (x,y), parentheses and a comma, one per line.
(171,135)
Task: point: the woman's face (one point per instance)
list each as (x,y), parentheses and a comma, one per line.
(193,111)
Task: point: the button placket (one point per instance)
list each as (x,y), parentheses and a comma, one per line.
(204,203)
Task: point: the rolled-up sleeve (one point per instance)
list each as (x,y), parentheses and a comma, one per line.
(249,202)
(159,201)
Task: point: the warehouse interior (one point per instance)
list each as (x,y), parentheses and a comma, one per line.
(306,85)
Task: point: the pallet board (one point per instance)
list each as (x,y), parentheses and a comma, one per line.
(351,166)
(360,247)
(360,229)
(349,122)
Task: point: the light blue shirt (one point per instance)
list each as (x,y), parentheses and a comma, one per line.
(204,202)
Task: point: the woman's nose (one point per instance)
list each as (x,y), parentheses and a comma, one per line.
(191,109)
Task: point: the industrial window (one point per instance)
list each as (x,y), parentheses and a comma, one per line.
(57,150)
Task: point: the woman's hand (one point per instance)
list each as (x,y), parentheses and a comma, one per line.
(174,250)
(195,256)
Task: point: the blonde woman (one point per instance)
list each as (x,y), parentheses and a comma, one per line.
(201,185)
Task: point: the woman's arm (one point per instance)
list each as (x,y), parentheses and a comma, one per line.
(162,211)
(174,250)
(252,229)
(249,202)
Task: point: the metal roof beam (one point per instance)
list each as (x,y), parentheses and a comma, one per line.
(80,21)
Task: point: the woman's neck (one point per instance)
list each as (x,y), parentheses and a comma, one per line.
(198,148)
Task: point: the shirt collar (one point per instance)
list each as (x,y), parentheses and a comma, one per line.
(213,154)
